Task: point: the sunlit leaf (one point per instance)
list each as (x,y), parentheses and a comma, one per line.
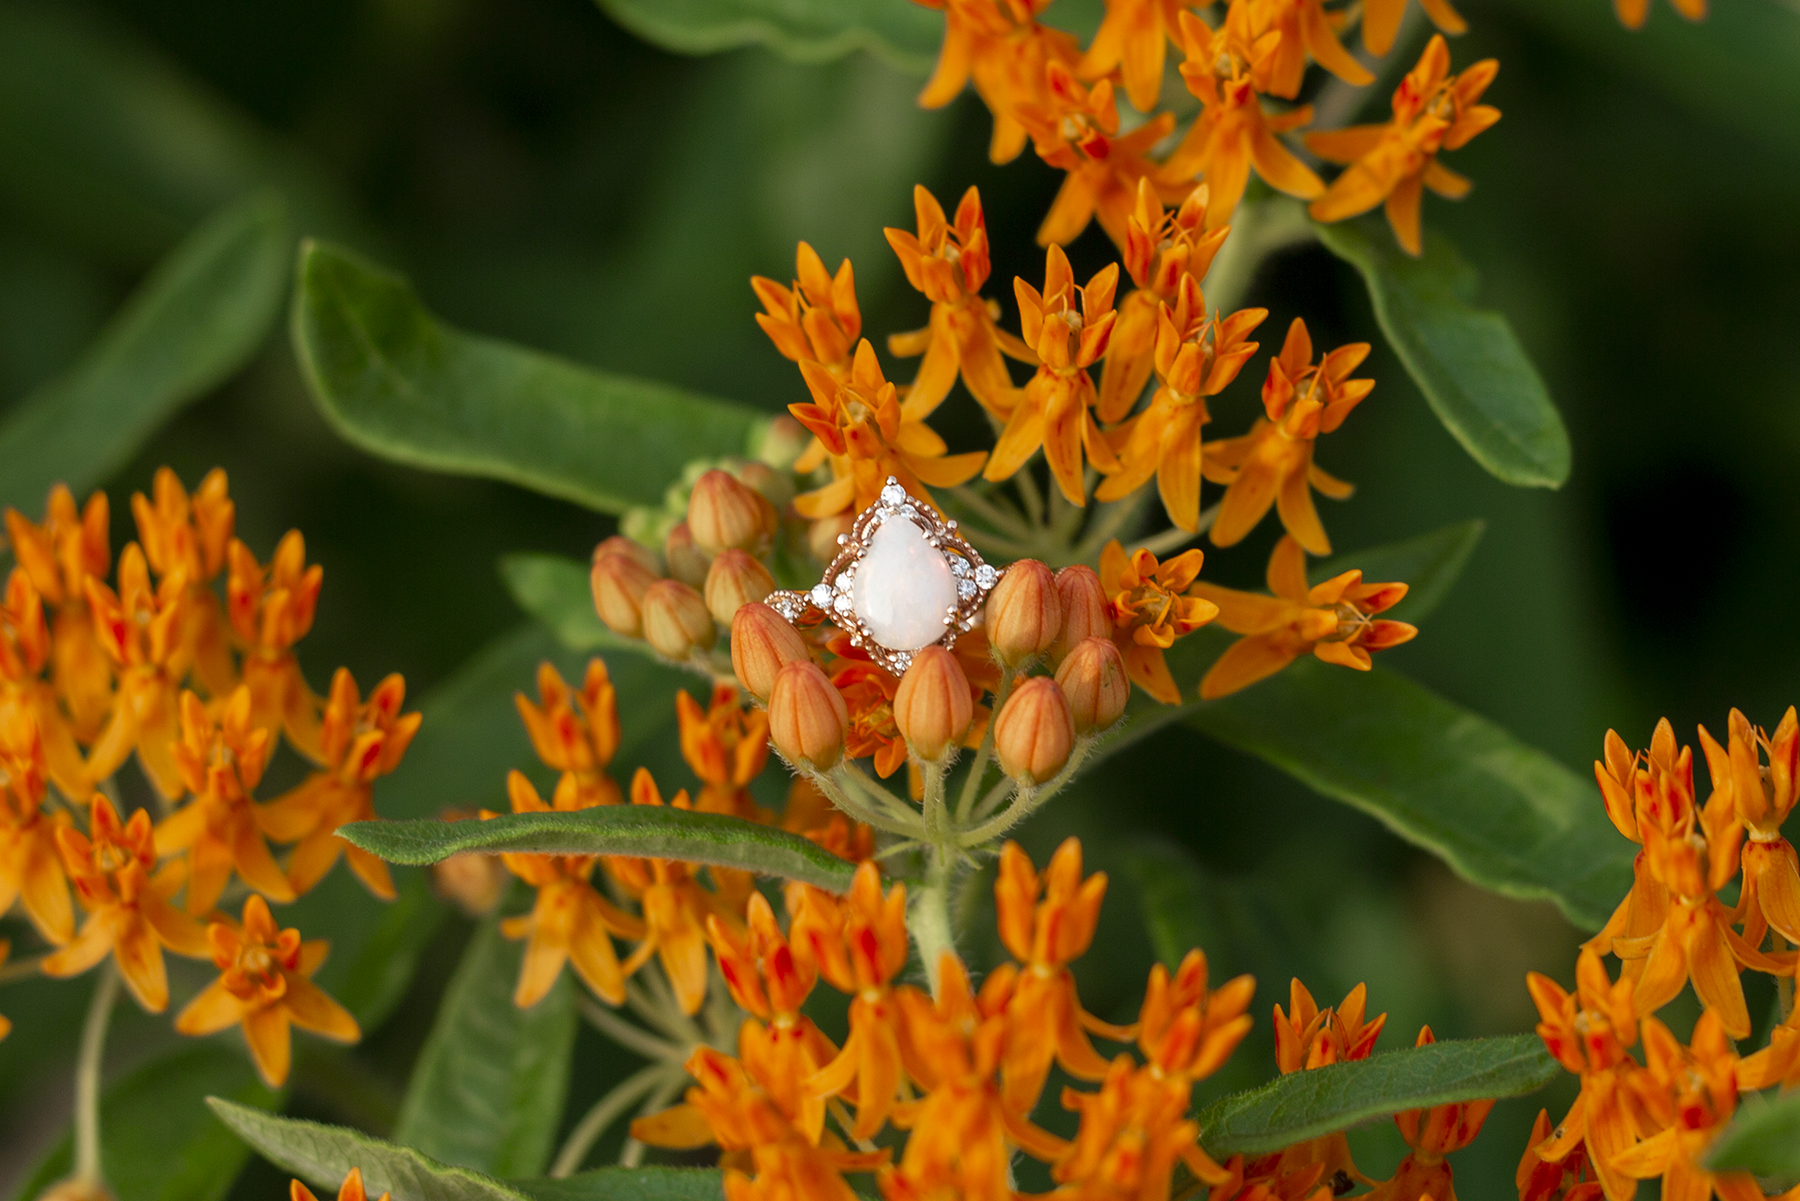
(193,323)
(400,384)
(1764,1139)
(807,30)
(488,1089)
(160,1144)
(1467,361)
(1306,1105)
(659,832)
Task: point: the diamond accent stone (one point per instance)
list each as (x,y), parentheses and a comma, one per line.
(965,588)
(842,603)
(986,576)
(821,595)
(893,494)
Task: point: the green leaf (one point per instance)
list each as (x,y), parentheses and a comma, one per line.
(193,323)
(1307,1105)
(400,384)
(1172,893)
(554,589)
(159,1143)
(1431,564)
(1764,1140)
(628,1184)
(907,35)
(649,830)
(488,1089)
(323,1155)
(1467,361)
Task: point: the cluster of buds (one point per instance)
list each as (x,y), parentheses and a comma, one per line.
(1638,1119)
(203,688)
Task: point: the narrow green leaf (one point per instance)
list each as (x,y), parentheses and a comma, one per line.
(400,384)
(806,30)
(1764,1140)
(554,589)
(1307,1105)
(1467,361)
(654,831)
(159,1144)
(323,1155)
(193,323)
(1172,895)
(628,1184)
(1430,564)
(488,1089)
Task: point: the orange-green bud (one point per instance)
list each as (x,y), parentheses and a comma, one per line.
(762,643)
(807,717)
(1034,732)
(676,622)
(1085,613)
(822,536)
(619,582)
(1024,613)
(1092,677)
(734,580)
(725,513)
(687,562)
(619,544)
(777,487)
(470,881)
(77,1188)
(933,706)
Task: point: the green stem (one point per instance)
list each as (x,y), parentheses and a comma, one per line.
(878,795)
(841,797)
(978,769)
(1257,231)
(629,1036)
(993,544)
(1110,518)
(87,1075)
(929,920)
(1029,495)
(992,513)
(993,797)
(1784,985)
(1026,801)
(1173,539)
(606,1111)
(19,969)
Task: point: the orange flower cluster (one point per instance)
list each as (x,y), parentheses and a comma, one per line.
(1638,1119)
(200,687)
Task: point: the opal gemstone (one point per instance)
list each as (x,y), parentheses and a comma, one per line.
(903,588)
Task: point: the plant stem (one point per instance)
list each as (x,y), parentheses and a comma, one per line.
(978,769)
(87,1075)
(1030,496)
(627,1035)
(1026,801)
(1784,985)
(878,795)
(20,969)
(840,797)
(999,518)
(929,920)
(1173,539)
(606,1111)
(1109,519)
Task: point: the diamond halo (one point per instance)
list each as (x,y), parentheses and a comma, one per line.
(834,597)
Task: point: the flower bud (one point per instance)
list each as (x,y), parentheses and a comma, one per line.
(822,536)
(619,582)
(619,544)
(1085,613)
(724,512)
(1024,613)
(762,643)
(1092,677)
(676,622)
(1034,731)
(471,881)
(807,717)
(932,706)
(735,579)
(77,1188)
(777,487)
(687,562)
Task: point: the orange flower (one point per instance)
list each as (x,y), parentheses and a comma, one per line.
(129,915)
(1002,47)
(31,870)
(1196,356)
(1632,13)
(818,318)
(1161,249)
(1432,1134)
(861,955)
(358,743)
(265,986)
(25,647)
(726,745)
(868,694)
(141,629)
(1305,28)
(948,262)
(1667,789)
(1334,621)
(1590,1032)
(1690,1093)
(1133,38)
(1762,797)
(1076,129)
(1381,21)
(1273,463)
(867,434)
(1054,411)
(1225,69)
(1433,111)
(352,1190)
(576,733)
(1045,936)
(59,556)
(1308,1037)
(570,921)
(1152,605)
(1570,1179)
(221,765)
(271,610)
(190,535)
(1186,1029)
(1777,1063)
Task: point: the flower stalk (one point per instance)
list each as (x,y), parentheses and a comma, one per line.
(87,1076)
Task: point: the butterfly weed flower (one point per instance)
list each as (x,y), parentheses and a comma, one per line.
(1633,13)
(1591,1032)
(726,744)
(817,318)
(575,733)
(190,534)
(1689,1093)
(1151,604)
(59,556)
(31,868)
(1570,1179)
(1762,795)
(141,627)
(352,1190)
(1133,39)
(1002,48)
(1431,1134)
(1308,1037)
(265,986)
(1381,21)
(26,647)
(271,609)
(1391,164)
(1305,28)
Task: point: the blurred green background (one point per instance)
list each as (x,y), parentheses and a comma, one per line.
(545,177)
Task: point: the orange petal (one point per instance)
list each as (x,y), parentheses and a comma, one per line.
(271,1043)
(311,1009)
(1245,662)
(212,1010)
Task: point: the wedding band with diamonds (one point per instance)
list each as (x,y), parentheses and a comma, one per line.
(903,580)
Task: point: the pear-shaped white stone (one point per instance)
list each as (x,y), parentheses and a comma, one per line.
(903,588)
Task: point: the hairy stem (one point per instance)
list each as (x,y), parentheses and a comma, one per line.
(1026,801)
(929,920)
(87,1074)
(972,785)
(1784,985)
(856,808)
(606,1111)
